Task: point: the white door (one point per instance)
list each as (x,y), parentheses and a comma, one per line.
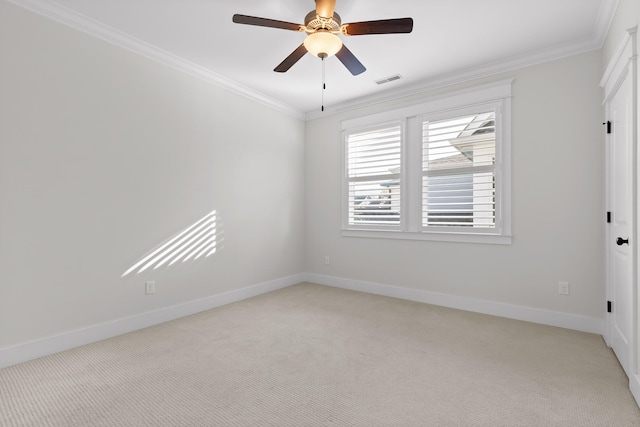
(620,85)
(620,239)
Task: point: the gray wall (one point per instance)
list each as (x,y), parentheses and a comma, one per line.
(557,205)
(105,154)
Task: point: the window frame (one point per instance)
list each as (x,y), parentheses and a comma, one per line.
(496,96)
(495,107)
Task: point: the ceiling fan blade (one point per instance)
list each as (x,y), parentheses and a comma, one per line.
(264,22)
(325,8)
(384,26)
(291,59)
(350,61)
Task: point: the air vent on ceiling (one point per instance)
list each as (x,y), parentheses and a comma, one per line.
(388,79)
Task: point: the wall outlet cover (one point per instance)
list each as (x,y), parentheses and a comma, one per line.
(563,288)
(150,288)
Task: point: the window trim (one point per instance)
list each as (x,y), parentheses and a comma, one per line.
(497,95)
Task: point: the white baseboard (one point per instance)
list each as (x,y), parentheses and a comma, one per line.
(54,344)
(634,386)
(65,341)
(528,314)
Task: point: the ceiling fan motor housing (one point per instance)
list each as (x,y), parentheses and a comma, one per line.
(313,22)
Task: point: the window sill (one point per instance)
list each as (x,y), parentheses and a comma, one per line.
(491,239)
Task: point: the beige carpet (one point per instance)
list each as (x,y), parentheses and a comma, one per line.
(311,355)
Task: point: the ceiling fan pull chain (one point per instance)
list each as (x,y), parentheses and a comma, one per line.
(324,85)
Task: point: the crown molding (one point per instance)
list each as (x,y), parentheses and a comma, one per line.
(57,12)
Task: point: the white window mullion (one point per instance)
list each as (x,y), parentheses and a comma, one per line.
(503,166)
(413,163)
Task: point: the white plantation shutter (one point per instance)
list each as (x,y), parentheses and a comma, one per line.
(458,171)
(373,161)
(439,170)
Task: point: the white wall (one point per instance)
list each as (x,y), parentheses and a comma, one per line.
(104,154)
(558,204)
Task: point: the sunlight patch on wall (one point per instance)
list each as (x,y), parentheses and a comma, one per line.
(199,240)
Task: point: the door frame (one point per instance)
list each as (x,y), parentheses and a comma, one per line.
(623,65)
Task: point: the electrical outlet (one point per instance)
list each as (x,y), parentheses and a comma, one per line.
(563,288)
(326,260)
(150,287)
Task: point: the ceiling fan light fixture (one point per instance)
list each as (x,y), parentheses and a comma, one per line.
(323,44)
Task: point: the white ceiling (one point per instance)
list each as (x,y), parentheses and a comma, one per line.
(452,40)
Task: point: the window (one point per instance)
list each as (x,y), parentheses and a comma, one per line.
(436,171)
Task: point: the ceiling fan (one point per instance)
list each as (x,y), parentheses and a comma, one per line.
(323,26)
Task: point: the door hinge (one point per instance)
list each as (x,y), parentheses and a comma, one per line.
(608,123)
(608,217)
(609,307)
